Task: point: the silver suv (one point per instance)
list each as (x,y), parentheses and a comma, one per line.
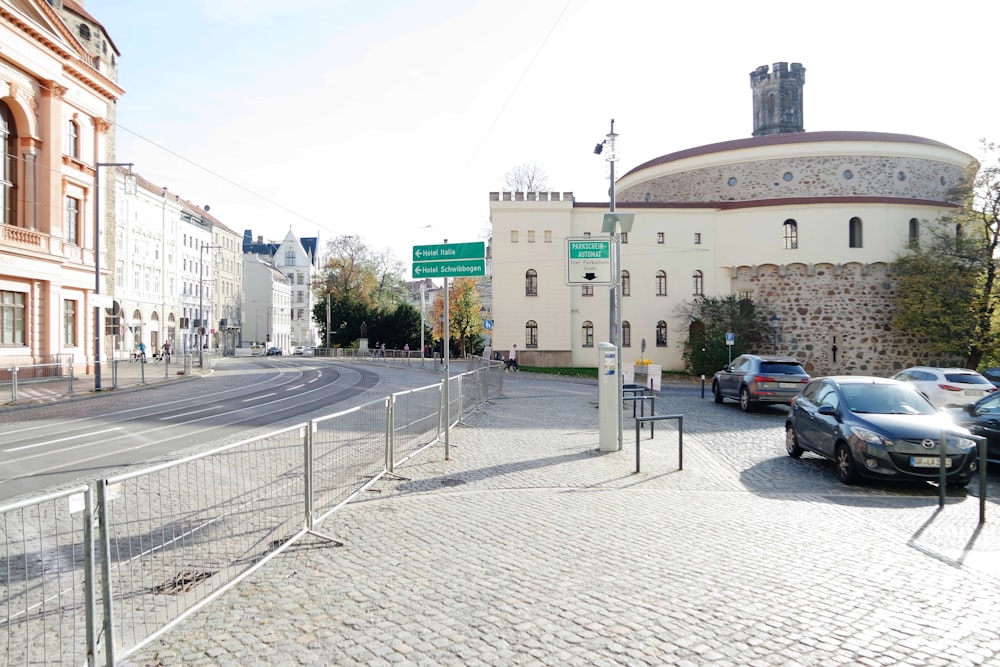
(755,378)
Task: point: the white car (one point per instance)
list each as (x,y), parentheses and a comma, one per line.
(947,387)
(298,349)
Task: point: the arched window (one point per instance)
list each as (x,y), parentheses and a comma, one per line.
(531,283)
(626,334)
(8,167)
(661,283)
(699,283)
(661,334)
(531,333)
(588,334)
(855,233)
(790,232)
(626,284)
(914,232)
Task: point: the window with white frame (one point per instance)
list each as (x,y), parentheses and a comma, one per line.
(12,318)
(588,334)
(69,323)
(72,231)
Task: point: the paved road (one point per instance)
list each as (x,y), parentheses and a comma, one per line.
(530,547)
(63,442)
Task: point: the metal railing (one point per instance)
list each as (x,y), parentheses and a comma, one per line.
(175,536)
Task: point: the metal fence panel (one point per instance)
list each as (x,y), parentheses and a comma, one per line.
(349,451)
(174,536)
(415,421)
(47,571)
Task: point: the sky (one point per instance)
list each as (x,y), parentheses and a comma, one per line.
(393,120)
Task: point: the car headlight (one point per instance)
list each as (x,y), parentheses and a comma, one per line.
(871,437)
(963,443)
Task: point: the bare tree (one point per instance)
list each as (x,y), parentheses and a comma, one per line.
(526,177)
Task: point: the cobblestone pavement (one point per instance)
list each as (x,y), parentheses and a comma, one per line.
(530,547)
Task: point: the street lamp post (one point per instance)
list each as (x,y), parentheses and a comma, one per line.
(201,303)
(98,321)
(775,322)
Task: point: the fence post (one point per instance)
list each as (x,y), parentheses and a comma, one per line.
(390,453)
(90,576)
(13,383)
(307,444)
(106,593)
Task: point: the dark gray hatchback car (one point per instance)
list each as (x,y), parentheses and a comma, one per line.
(755,378)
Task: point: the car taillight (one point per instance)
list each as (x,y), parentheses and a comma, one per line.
(949,387)
(763,378)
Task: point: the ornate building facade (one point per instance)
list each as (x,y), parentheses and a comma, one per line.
(57,95)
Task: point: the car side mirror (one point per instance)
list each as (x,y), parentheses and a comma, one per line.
(829,411)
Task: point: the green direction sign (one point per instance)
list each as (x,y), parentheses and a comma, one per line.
(450,269)
(449,251)
(588,261)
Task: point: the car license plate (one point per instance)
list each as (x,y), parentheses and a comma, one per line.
(928,462)
(973,392)
(788,385)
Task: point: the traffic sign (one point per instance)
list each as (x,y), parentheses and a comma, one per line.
(588,261)
(449,251)
(730,338)
(487,324)
(456,269)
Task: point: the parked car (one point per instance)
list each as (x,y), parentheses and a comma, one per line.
(947,387)
(993,375)
(983,418)
(754,379)
(309,351)
(274,351)
(878,428)
(298,349)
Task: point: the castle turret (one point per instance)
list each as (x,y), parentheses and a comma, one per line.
(777,99)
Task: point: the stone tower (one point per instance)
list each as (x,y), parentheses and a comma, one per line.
(777,99)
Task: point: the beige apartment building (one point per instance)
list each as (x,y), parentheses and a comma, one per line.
(804,224)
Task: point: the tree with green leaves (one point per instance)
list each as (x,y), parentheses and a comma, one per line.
(708,319)
(947,290)
(465,320)
(359,285)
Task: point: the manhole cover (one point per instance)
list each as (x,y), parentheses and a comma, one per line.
(182,583)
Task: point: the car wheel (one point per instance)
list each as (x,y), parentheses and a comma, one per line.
(716,392)
(845,465)
(745,403)
(792,442)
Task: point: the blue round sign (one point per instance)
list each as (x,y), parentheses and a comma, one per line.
(487,324)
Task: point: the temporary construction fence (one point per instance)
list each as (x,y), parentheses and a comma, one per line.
(94,573)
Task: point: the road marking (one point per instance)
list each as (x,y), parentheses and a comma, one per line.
(72,437)
(190,412)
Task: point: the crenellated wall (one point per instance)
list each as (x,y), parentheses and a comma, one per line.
(531,196)
(837,318)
